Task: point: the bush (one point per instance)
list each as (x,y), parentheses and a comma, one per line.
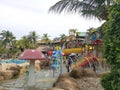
(111,81)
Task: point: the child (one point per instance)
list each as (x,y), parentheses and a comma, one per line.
(69,64)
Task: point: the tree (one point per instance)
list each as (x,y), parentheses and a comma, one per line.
(23,43)
(33,39)
(2,49)
(45,38)
(8,43)
(86,8)
(7,38)
(72,32)
(111,81)
(63,37)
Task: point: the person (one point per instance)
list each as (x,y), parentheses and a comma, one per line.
(69,64)
(94,68)
(54,66)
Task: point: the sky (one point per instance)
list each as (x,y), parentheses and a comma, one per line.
(23,16)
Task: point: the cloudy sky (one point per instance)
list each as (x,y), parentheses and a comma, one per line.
(23,16)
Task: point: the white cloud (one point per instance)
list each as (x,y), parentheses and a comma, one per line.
(24,16)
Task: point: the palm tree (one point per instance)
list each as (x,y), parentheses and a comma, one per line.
(63,37)
(8,43)
(72,32)
(2,48)
(7,38)
(33,39)
(56,39)
(24,43)
(86,8)
(45,38)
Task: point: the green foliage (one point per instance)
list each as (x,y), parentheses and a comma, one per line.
(111,81)
(86,8)
(105,83)
(112,37)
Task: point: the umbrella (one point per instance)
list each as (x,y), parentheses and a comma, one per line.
(31,55)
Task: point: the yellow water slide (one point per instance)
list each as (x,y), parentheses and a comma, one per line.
(72,50)
(76,50)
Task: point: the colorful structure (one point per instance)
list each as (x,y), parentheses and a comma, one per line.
(76,50)
(55,64)
(57,60)
(85,61)
(72,50)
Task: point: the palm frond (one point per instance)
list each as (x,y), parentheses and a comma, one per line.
(66,5)
(86,8)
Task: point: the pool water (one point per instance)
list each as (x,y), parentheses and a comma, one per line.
(17,61)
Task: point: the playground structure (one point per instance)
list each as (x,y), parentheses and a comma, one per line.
(89,48)
(88,58)
(83,46)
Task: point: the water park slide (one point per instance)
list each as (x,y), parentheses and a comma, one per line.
(76,50)
(84,61)
(72,50)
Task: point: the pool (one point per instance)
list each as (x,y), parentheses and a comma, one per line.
(17,61)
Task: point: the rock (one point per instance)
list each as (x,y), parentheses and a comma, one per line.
(67,84)
(1,73)
(0,67)
(89,83)
(78,79)
(84,83)
(7,66)
(102,74)
(8,74)
(81,72)
(55,88)
(22,71)
(1,76)
(24,67)
(1,88)
(15,72)
(16,68)
(37,65)
(77,72)
(89,73)
(9,71)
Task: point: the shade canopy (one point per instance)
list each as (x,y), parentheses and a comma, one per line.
(32,55)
